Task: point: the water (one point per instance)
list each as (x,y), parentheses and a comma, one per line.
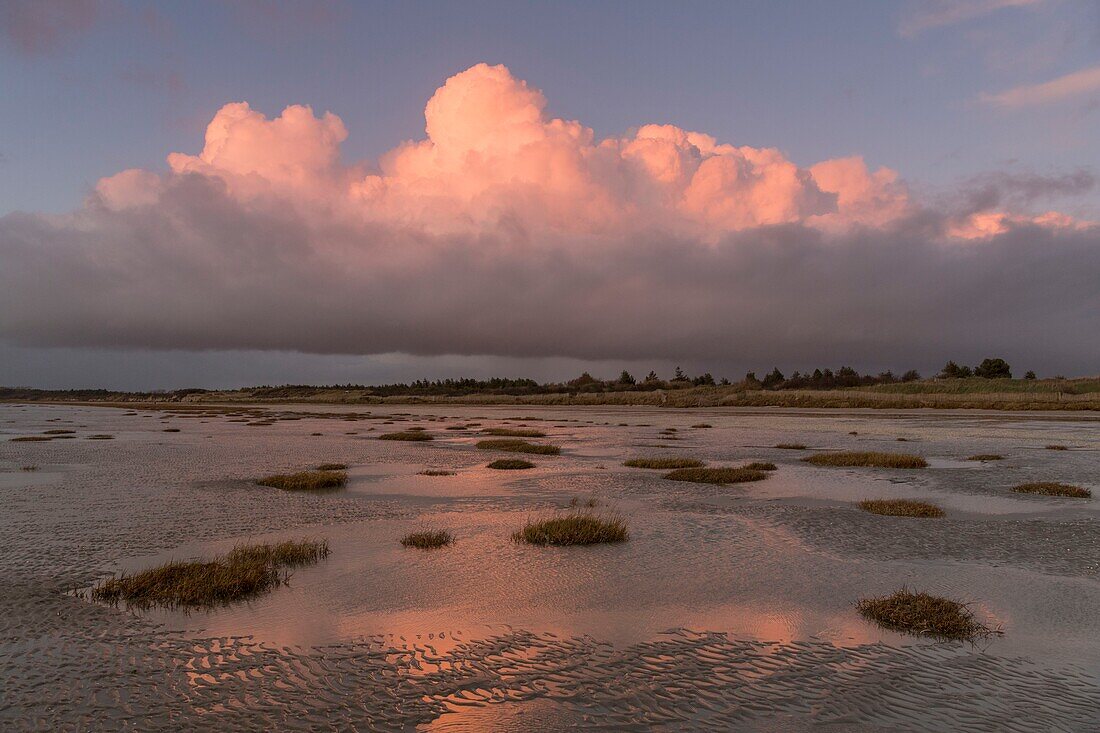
(730,607)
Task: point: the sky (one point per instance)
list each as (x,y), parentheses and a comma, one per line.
(224,194)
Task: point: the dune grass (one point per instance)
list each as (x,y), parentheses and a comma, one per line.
(514,433)
(245,572)
(867,458)
(716,475)
(1053,488)
(573,528)
(305,480)
(429,539)
(514,445)
(664,464)
(407,435)
(332,467)
(510,464)
(761,466)
(986,457)
(790,446)
(924,615)
(435,472)
(902,508)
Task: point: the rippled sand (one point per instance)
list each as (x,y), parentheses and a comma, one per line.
(730,608)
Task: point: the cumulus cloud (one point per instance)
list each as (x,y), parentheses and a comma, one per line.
(509,232)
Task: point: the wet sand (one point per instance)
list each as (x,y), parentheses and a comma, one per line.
(730,607)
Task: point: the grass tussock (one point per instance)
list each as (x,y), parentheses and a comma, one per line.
(514,445)
(664,464)
(305,480)
(761,466)
(170,430)
(515,433)
(28,468)
(790,446)
(1057,447)
(31,439)
(101,436)
(574,528)
(924,615)
(867,459)
(332,467)
(510,464)
(58,431)
(430,539)
(247,571)
(716,475)
(408,435)
(702,425)
(902,508)
(986,457)
(1053,488)
(435,472)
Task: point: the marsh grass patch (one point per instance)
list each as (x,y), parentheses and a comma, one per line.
(514,433)
(510,464)
(435,472)
(332,467)
(573,528)
(664,463)
(1057,447)
(790,446)
(923,614)
(28,468)
(1053,488)
(412,436)
(305,480)
(867,459)
(719,476)
(429,539)
(101,436)
(983,457)
(32,439)
(515,445)
(902,508)
(761,466)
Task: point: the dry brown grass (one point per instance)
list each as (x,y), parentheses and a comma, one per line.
(716,475)
(514,433)
(902,508)
(247,571)
(429,539)
(986,457)
(412,436)
(305,480)
(867,459)
(1053,488)
(664,464)
(924,615)
(574,528)
(510,464)
(514,445)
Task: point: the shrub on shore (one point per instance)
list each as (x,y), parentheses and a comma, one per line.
(428,539)
(924,615)
(1053,488)
(719,476)
(574,528)
(867,459)
(411,436)
(305,480)
(664,464)
(514,445)
(902,508)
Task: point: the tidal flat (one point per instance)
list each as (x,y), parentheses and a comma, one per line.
(729,607)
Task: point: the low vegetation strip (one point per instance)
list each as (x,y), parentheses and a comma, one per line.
(430,539)
(986,457)
(868,459)
(1053,488)
(664,464)
(510,464)
(515,432)
(924,615)
(716,475)
(332,467)
(411,436)
(901,508)
(574,528)
(246,572)
(761,466)
(514,445)
(305,480)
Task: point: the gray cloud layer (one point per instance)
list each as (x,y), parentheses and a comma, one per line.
(201,271)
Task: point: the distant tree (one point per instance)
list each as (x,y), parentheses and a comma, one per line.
(680,376)
(951,370)
(724,381)
(1029,374)
(773,379)
(704,379)
(993,369)
(583,380)
(751,382)
(652,377)
(627,378)
(910,376)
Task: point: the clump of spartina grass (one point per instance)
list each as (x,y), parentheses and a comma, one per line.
(664,464)
(902,508)
(924,615)
(305,480)
(408,435)
(510,464)
(1057,447)
(101,436)
(514,433)
(332,467)
(514,445)
(761,466)
(1053,488)
(435,472)
(429,539)
(28,468)
(716,475)
(702,425)
(31,439)
(790,446)
(245,572)
(868,459)
(58,431)
(986,457)
(573,528)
